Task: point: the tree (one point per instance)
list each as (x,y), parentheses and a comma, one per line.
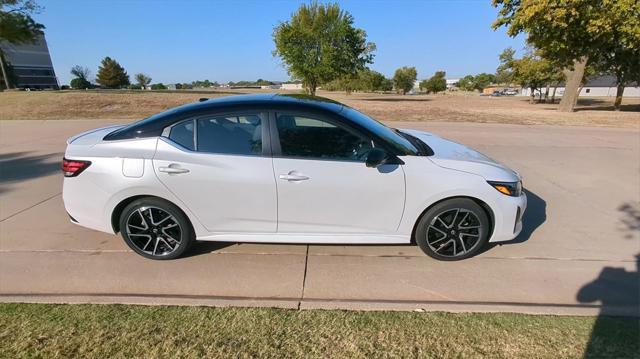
(80,84)
(404,79)
(371,80)
(17,27)
(81,80)
(320,44)
(533,72)
(571,33)
(142,80)
(503,72)
(111,74)
(467,83)
(437,83)
(158,86)
(80,72)
(387,85)
(261,82)
(483,80)
(366,80)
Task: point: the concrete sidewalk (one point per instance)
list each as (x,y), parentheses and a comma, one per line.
(577,254)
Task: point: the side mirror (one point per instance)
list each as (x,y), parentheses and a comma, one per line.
(376,157)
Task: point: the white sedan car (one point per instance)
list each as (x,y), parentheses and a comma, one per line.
(286,169)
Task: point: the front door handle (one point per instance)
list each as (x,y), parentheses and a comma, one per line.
(293,176)
(173,169)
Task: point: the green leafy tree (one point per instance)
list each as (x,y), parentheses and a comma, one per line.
(483,80)
(81,80)
(504,72)
(572,33)
(111,74)
(366,80)
(81,72)
(404,79)
(467,83)
(80,84)
(437,83)
(142,80)
(371,80)
(17,27)
(261,82)
(205,84)
(387,85)
(320,44)
(532,72)
(158,86)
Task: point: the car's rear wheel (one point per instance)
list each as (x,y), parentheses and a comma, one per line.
(156,229)
(453,229)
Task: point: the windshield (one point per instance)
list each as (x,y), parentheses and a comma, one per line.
(400,144)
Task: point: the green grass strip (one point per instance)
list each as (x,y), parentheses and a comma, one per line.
(102,331)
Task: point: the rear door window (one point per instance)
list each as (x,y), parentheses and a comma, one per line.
(237,135)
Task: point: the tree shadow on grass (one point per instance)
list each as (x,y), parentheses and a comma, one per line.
(618,291)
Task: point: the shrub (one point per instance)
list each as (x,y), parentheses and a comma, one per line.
(80,84)
(158,86)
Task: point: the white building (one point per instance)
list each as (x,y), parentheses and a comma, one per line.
(451,83)
(600,86)
(291,86)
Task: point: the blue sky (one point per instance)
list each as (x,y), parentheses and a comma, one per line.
(182,41)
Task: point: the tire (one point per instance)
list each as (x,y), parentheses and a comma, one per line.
(156,229)
(453,229)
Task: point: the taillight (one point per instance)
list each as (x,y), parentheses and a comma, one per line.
(72,168)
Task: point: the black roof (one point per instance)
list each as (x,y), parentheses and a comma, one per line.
(154,125)
(257,100)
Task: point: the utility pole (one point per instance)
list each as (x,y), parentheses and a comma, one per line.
(4,72)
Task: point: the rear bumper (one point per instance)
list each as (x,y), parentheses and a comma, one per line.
(508,221)
(84,202)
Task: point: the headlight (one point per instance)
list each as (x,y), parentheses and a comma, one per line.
(513,189)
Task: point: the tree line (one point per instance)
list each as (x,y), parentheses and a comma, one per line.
(110,75)
(320,46)
(574,37)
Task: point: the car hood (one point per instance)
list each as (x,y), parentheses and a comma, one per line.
(452,155)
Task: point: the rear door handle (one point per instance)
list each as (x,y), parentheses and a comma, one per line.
(173,169)
(293,176)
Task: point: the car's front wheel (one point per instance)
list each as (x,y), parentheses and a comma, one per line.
(453,229)
(156,229)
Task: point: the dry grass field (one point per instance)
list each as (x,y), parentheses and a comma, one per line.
(458,107)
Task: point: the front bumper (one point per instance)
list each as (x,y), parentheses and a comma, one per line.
(508,217)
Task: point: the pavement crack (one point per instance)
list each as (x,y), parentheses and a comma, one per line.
(304,277)
(28,208)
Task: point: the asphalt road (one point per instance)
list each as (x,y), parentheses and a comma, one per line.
(578,254)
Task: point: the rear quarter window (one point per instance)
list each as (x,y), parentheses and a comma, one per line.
(183,134)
